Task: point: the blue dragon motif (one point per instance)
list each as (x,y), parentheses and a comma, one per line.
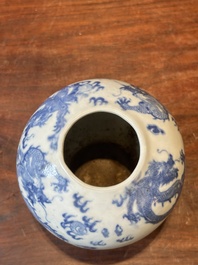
(59,104)
(32,167)
(147,104)
(146,191)
(29,167)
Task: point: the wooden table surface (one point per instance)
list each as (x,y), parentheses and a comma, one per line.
(46,45)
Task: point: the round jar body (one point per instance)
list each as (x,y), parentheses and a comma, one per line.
(100,120)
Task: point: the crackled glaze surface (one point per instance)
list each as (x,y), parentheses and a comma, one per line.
(95,217)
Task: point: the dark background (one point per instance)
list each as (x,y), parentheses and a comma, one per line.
(46,45)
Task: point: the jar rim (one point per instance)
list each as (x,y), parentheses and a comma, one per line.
(132,121)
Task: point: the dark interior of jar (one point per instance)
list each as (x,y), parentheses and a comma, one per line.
(101,149)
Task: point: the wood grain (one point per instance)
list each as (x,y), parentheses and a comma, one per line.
(46,45)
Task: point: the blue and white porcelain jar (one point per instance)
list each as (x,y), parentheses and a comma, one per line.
(104,120)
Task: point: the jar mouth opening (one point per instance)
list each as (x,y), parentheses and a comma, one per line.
(102,149)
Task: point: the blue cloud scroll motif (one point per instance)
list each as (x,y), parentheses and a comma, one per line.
(118,230)
(98,243)
(79,204)
(77,229)
(146,105)
(155,129)
(146,191)
(98,101)
(124,239)
(105,232)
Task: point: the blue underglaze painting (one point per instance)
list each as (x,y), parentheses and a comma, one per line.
(79,204)
(78,229)
(125,239)
(146,191)
(118,230)
(98,101)
(59,104)
(155,129)
(98,243)
(33,167)
(105,232)
(81,218)
(147,104)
